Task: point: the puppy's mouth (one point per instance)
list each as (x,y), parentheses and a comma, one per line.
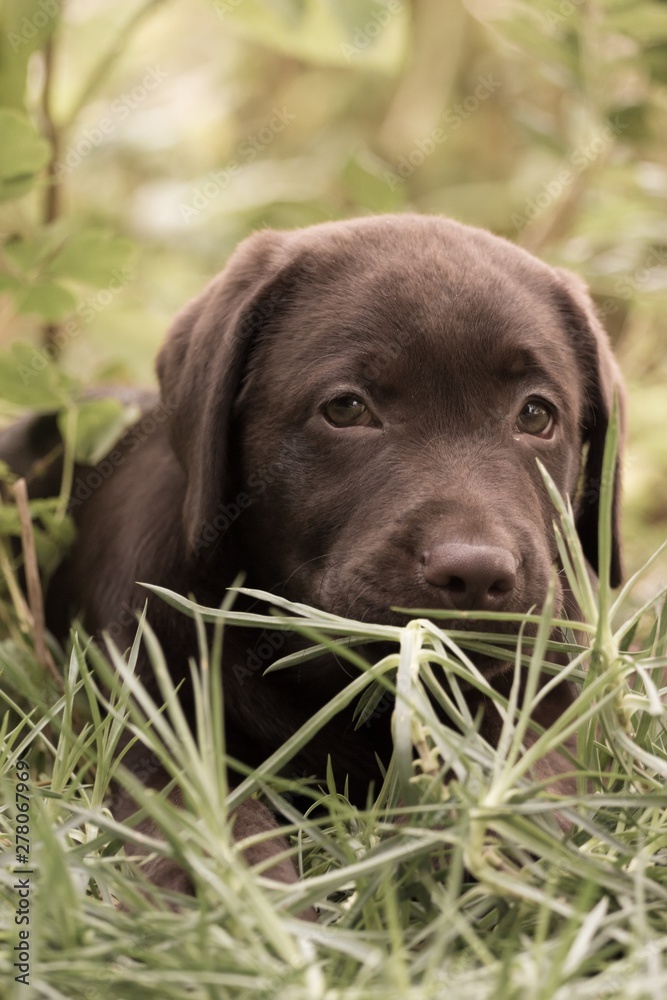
(449,620)
(475,635)
(487,664)
(489,644)
(368,596)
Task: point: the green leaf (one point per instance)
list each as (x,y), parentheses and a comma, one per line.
(48,299)
(26,254)
(6,475)
(10,523)
(17,187)
(22,152)
(45,508)
(22,253)
(372,184)
(24,27)
(100,424)
(92,257)
(8,283)
(56,537)
(53,533)
(28,378)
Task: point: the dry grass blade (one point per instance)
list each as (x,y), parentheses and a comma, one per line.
(33,583)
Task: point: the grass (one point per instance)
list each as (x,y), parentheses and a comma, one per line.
(465,889)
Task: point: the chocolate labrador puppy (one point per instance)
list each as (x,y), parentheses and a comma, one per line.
(351,415)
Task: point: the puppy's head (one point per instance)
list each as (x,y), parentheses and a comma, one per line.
(361,406)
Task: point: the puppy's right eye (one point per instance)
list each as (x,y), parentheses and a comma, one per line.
(347,411)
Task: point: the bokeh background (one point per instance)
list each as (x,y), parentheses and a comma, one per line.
(139,142)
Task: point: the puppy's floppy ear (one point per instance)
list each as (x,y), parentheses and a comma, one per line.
(602,379)
(201,366)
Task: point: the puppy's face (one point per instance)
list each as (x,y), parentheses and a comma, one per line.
(401,396)
(372,396)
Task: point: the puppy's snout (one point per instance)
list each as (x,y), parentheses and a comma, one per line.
(471,577)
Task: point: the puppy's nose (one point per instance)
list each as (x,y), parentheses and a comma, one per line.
(470,577)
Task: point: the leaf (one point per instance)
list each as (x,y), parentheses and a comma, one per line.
(48,299)
(60,530)
(373,185)
(22,253)
(24,27)
(92,257)
(26,254)
(48,552)
(53,534)
(28,378)
(8,283)
(44,509)
(16,187)
(22,152)
(6,476)
(100,424)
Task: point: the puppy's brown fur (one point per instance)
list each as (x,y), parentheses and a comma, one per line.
(443,333)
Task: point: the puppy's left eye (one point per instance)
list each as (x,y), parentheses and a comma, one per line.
(347,411)
(536,418)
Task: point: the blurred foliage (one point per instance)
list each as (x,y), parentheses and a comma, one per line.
(177,128)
